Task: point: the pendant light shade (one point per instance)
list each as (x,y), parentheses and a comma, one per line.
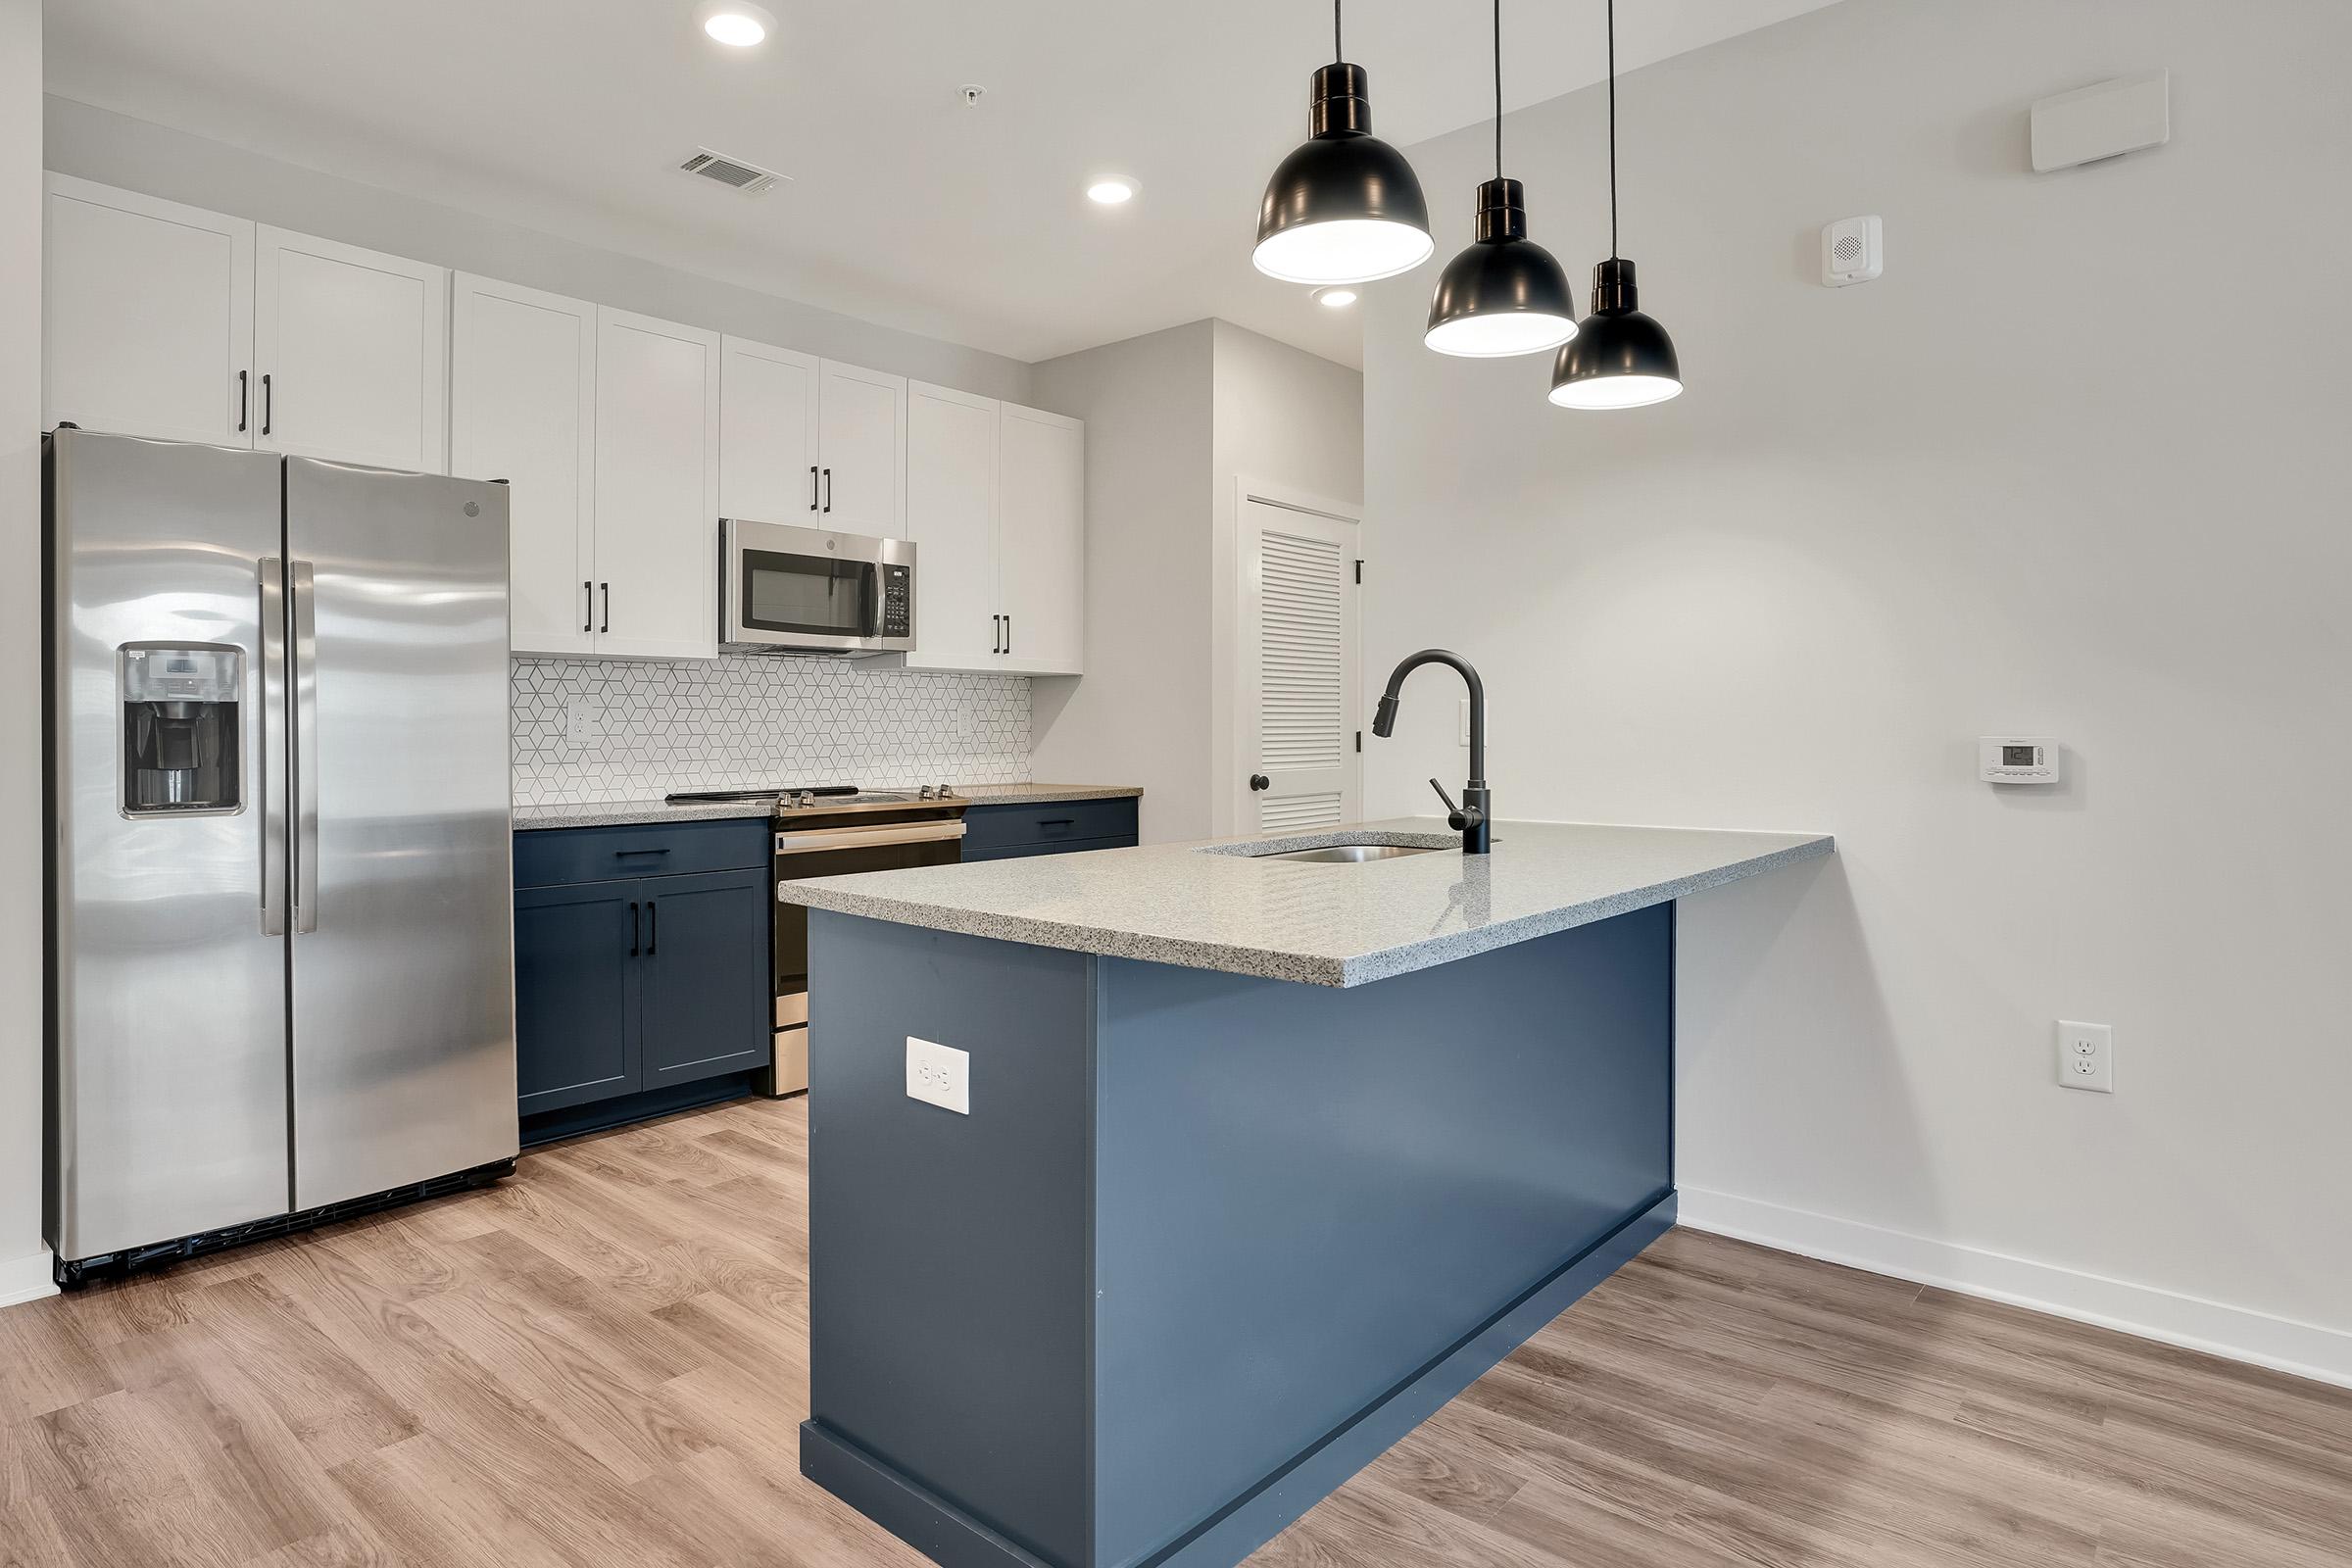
(1344,207)
(1505,294)
(1618,358)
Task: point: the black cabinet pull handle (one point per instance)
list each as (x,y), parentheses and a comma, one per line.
(812,487)
(1008,634)
(828,489)
(244,395)
(653,926)
(1056,822)
(617,853)
(587,604)
(268,404)
(608,592)
(632,928)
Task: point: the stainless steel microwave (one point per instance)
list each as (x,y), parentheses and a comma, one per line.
(785,589)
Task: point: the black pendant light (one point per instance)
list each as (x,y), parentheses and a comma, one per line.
(1618,358)
(1505,294)
(1344,208)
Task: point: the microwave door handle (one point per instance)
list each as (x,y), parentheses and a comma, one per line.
(270,740)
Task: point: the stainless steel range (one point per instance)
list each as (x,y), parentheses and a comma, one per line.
(832,830)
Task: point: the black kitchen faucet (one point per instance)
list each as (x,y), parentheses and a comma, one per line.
(1474,817)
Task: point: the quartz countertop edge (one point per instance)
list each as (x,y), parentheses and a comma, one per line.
(1328,925)
(619,813)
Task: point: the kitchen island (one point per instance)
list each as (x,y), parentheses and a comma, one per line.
(1258,1162)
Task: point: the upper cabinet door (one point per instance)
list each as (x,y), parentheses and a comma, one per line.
(1041,513)
(768,434)
(522,408)
(657,488)
(952,518)
(351,349)
(147,316)
(862,454)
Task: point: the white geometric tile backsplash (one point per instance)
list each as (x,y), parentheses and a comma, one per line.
(642,729)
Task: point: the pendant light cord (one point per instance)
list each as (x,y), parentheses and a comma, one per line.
(1612,128)
(1497,89)
(1337,52)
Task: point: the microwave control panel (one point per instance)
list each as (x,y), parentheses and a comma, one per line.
(897,613)
(2017,760)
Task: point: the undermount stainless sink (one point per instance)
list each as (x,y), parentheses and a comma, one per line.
(1349,853)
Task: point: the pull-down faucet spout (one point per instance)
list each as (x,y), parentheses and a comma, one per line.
(1473,818)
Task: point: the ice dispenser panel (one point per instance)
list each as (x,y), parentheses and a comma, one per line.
(179,728)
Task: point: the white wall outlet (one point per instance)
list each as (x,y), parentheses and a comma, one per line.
(939,1075)
(580,721)
(2086,1056)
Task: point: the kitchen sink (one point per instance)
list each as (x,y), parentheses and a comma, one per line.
(1349,853)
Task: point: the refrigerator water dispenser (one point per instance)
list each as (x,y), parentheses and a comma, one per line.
(179,728)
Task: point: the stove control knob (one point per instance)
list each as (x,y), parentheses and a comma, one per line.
(946,794)
(924,794)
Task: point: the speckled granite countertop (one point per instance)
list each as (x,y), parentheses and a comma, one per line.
(1210,906)
(614,813)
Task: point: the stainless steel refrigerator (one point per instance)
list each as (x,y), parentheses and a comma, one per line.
(281,945)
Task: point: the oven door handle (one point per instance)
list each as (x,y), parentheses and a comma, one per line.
(867,838)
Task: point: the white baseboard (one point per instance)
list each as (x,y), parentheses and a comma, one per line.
(27,1279)
(2305,1349)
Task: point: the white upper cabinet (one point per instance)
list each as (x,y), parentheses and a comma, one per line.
(862,451)
(1041,524)
(350,347)
(951,519)
(522,408)
(147,314)
(657,488)
(768,434)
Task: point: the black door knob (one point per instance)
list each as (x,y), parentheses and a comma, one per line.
(1260,781)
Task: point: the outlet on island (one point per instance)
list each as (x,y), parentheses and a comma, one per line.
(939,1075)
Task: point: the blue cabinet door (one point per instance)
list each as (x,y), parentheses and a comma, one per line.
(707,1004)
(576,993)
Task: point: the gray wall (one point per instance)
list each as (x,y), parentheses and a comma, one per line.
(2075,467)
(23,1262)
(1140,713)
(119,150)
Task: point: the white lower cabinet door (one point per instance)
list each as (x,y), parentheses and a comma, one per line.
(522,408)
(147,316)
(862,451)
(951,521)
(657,488)
(350,350)
(1041,530)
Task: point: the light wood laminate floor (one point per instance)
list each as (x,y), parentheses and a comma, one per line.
(604,1361)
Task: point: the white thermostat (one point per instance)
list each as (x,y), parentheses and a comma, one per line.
(2017,760)
(1853,250)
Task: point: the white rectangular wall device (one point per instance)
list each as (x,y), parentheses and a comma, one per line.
(2103,121)
(939,1075)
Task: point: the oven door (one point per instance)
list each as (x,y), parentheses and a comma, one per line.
(789,587)
(835,852)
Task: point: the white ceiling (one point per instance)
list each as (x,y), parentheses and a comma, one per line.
(905,207)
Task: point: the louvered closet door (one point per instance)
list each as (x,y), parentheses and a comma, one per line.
(1298,669)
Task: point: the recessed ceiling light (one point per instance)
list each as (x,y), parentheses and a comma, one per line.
(1337,297)
(736,24)
(1111,190)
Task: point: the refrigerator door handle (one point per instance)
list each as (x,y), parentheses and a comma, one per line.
(305,749)
(269,732)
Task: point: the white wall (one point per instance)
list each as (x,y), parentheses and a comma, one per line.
(24,1261)
(1171,420)
(118,150)
(1140,713)
(2075,467)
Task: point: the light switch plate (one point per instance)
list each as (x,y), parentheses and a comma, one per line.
(939,1075)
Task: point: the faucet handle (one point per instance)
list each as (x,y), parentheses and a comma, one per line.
(1459,820)
(1450,808)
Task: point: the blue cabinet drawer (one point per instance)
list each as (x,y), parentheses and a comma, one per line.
(1046,824)
(558,856)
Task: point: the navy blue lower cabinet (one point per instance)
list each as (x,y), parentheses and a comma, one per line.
(642,971)
(703,935)
(575,995)
(1047,827)
(1206,1244)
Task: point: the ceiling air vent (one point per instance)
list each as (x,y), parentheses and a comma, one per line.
(732,172)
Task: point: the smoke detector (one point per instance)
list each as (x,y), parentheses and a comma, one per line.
(747,179)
